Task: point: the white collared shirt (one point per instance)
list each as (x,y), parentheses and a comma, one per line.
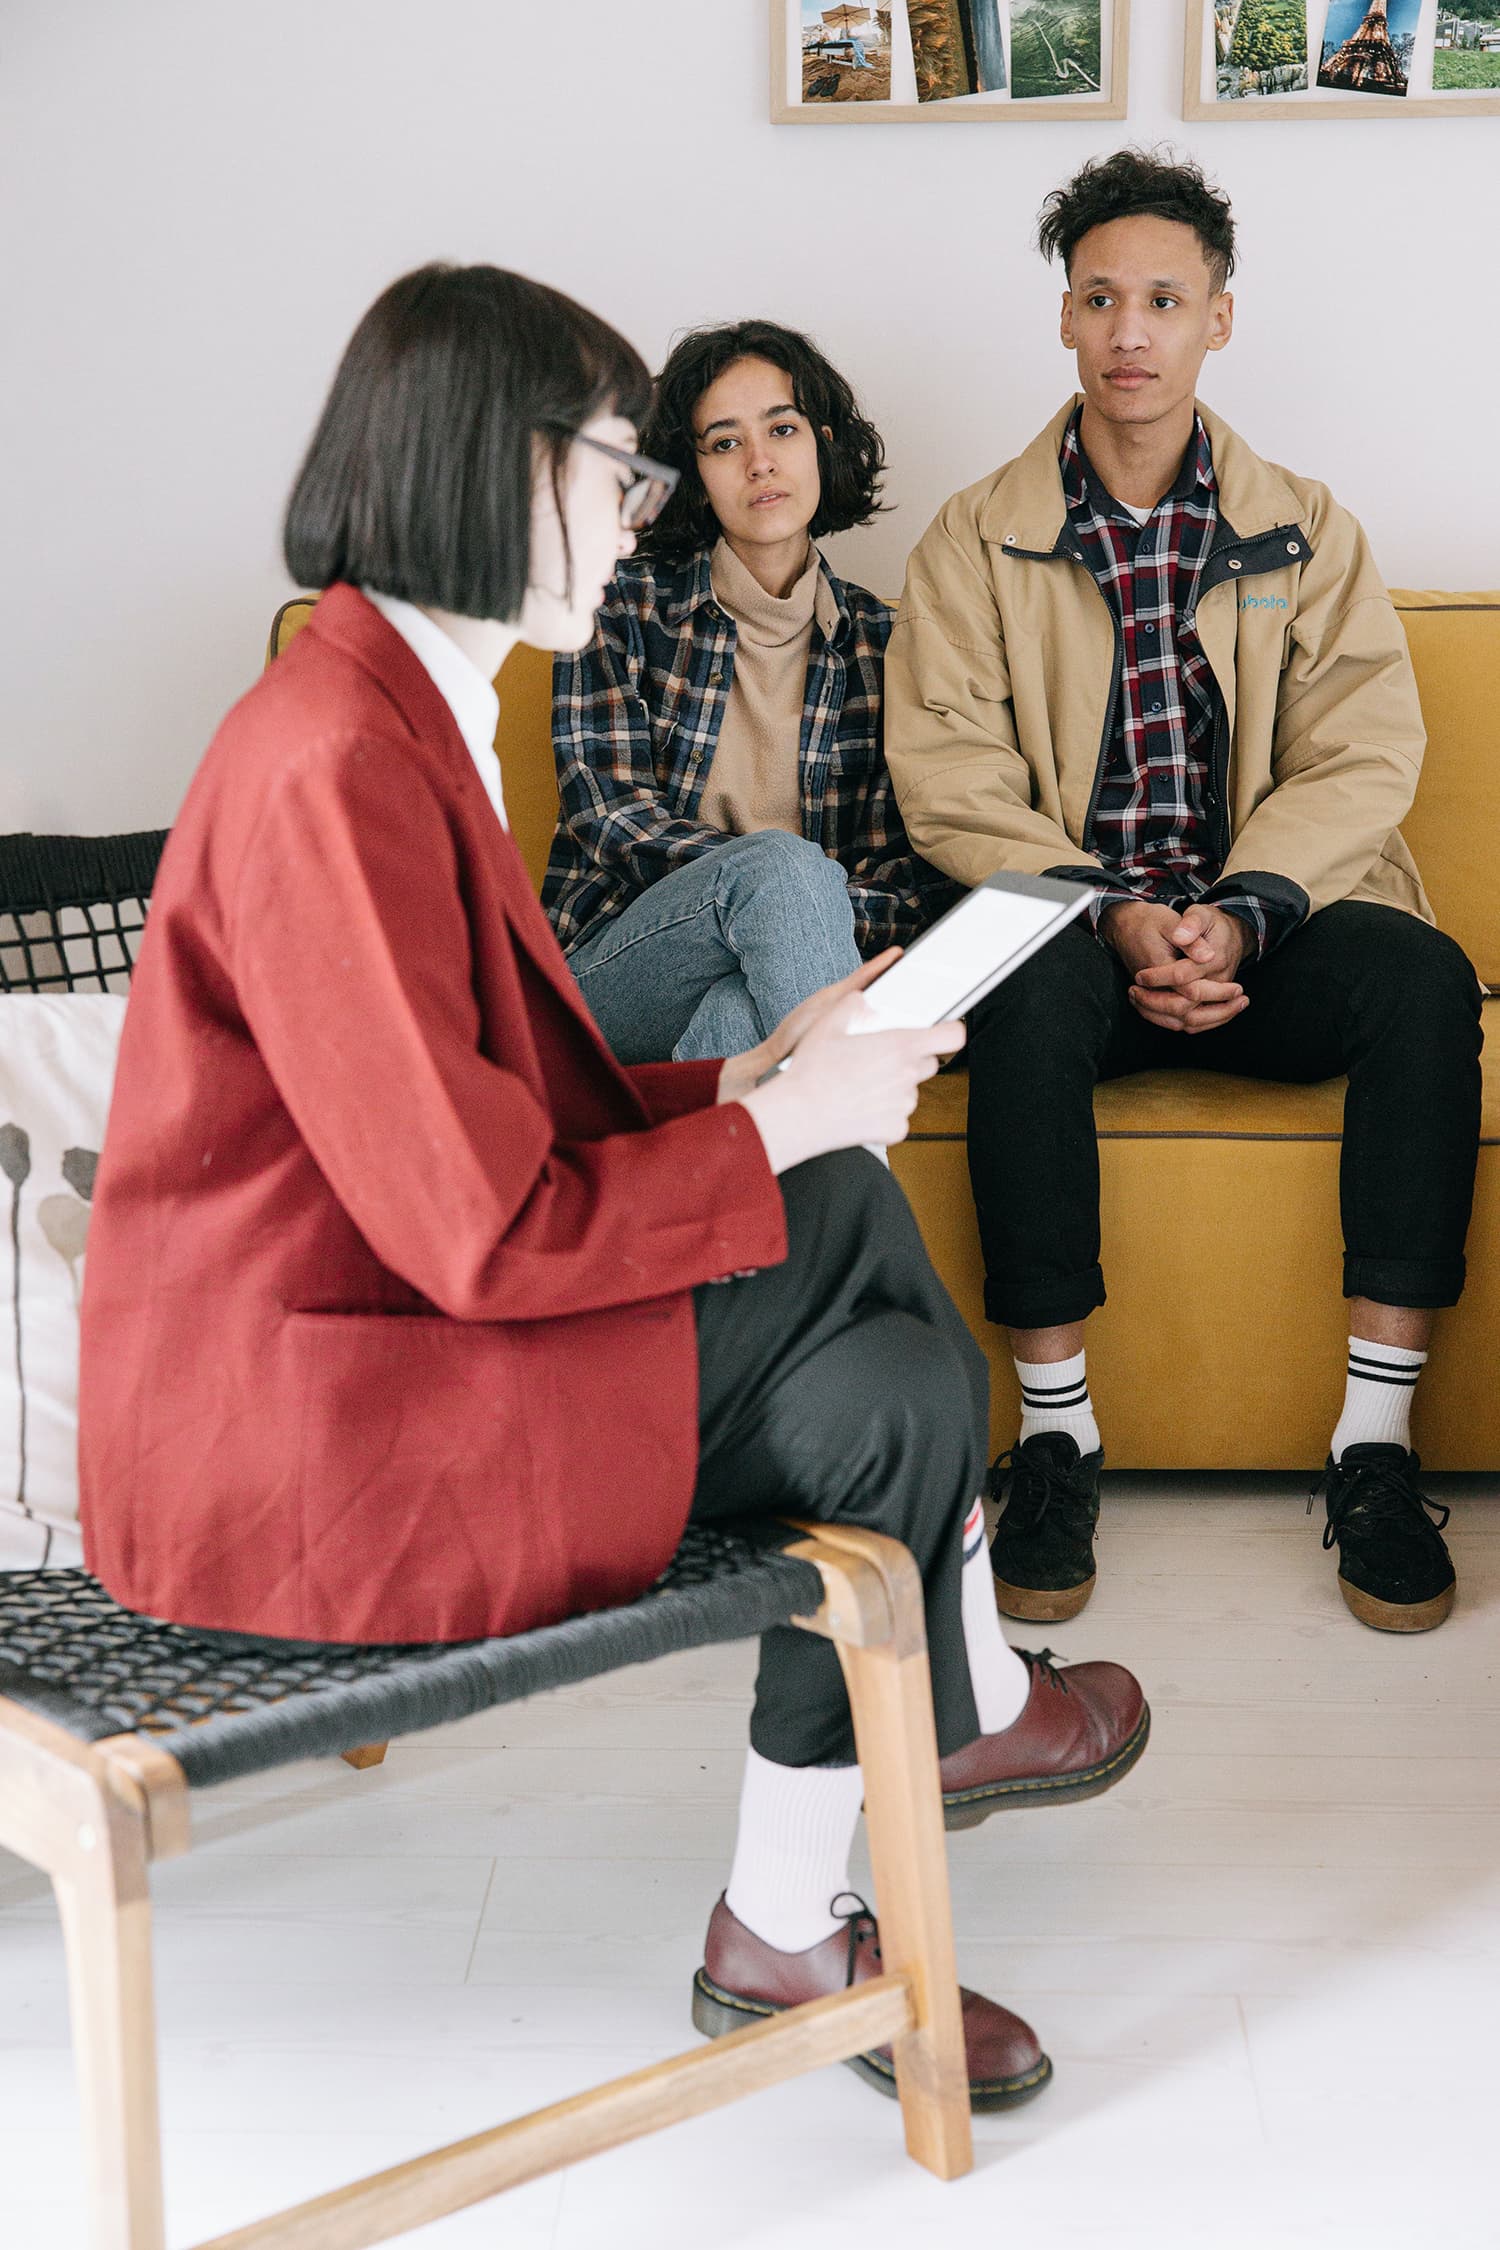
(463,687)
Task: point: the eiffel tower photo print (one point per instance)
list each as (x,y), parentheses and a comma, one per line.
(1368,46)
(1322,59)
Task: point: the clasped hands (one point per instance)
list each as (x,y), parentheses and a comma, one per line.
(1182,965)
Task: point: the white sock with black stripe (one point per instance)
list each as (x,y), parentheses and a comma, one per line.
(1055,1396)
(1377,1401)
(1000,1680)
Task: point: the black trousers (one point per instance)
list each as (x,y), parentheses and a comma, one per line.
(842,1385)
(1366,990)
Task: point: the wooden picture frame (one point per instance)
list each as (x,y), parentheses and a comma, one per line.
(1201,106)
(788,107)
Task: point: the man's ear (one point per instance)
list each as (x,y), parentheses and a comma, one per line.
(1220,321)
(1065,326)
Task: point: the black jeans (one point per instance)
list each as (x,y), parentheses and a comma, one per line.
(1366,990)
(843,1385)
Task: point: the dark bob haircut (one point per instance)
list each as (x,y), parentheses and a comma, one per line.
(850,462)
(1134,183)
(419,477)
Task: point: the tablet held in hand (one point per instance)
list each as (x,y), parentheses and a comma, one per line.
(966,953)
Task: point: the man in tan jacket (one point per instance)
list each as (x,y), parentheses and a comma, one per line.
(1141,658)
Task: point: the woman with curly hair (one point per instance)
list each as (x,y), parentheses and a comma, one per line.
(728,840)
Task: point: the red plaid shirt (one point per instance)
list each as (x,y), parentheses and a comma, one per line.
(1150,826)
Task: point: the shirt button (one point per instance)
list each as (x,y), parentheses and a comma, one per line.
(1148,628)
(1235,563)
(1154,709)
(1292,547)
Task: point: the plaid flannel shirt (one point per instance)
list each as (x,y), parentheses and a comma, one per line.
(1150,826)
(635,722)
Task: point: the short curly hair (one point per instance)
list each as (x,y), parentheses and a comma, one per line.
(851,462)
(1139,183)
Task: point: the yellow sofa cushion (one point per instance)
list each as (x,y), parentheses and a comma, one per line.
(1203,1104)
(1454,825)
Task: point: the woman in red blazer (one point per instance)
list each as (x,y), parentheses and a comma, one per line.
(398,1321)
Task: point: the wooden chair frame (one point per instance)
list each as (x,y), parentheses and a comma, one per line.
(95,1815)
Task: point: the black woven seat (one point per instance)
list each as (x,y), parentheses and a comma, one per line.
(69,1652)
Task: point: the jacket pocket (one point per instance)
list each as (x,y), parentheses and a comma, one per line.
(416,1500)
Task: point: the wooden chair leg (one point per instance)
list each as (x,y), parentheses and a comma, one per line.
(369,1754)
(105,1906)
(91,1826)
(890,1692)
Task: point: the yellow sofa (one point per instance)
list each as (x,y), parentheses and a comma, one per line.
(1221,1346)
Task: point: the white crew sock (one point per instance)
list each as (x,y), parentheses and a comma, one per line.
(1001,1681)
(791,1855)
(1055,1396)
(1377,1401)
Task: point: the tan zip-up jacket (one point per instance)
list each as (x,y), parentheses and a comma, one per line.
(1001,675)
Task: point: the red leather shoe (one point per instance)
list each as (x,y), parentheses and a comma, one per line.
(743,1979)
(1081,1732)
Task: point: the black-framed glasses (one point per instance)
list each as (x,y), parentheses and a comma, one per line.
(650,488)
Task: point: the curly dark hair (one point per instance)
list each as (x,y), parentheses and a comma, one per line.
(1132,183)
(850,463)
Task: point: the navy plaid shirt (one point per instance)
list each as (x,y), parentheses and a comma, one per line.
(1151,828)
(635,722)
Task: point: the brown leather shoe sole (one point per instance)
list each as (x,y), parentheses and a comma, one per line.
(966,1808)
(716,2012)
(1397,1617)
(1039,1605)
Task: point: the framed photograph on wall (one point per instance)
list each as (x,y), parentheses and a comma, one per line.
(925,62)
(1340,58)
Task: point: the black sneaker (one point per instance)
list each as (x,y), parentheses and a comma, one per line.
(1394,1571)
(1042,1553)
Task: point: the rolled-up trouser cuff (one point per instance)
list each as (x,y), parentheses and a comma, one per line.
(1425,1284)
(1044,1304)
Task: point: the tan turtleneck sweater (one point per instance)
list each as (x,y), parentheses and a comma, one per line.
(755,780)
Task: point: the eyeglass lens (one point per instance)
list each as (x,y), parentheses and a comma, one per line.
(642,502)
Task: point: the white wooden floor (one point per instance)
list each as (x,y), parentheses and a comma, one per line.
(1267,1967)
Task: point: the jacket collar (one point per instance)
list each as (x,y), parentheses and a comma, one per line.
(1025,508)
(694,590)
(350,623)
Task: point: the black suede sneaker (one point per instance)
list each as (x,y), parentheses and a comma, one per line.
(1042,1553)
(1394,1571)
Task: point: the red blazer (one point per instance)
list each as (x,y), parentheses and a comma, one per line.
(387,1332)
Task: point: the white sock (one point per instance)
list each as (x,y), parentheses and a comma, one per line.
(1377,1401)
(1001,1681)
(1055,1396)
(791,1855)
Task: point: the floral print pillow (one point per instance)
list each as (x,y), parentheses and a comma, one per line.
(57,1063)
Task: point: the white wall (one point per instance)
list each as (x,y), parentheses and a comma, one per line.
(201,200)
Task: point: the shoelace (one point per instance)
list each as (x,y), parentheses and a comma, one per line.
(1376,1489)
(859,1923)
(1037,1483)
(1042,1660)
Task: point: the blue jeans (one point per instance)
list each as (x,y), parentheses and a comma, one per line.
(708,961)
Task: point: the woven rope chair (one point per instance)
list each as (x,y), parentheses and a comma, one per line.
(109,1722)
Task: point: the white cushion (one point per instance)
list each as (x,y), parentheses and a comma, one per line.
(57,1063)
